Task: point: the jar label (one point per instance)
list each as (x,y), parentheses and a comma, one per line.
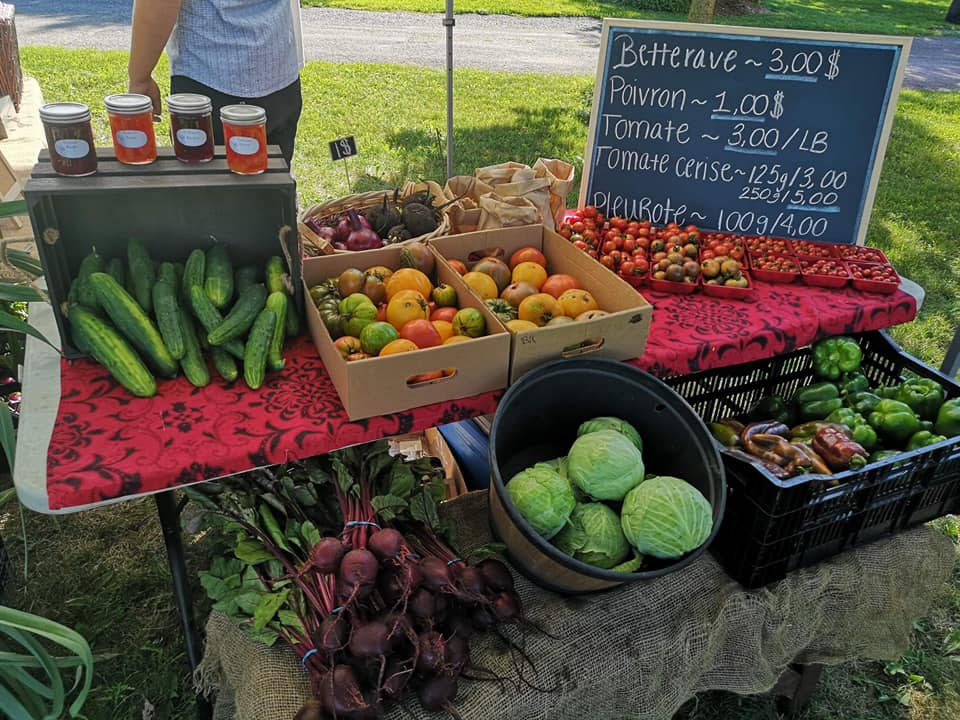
(72,149)
(191,137)
(131,138)
(244,145)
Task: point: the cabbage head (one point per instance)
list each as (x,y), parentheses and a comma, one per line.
(543,497)
(666,517)
(561,466)
(611,423)
(605,464)
(593,535)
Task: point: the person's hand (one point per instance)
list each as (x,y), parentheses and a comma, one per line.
(148,87)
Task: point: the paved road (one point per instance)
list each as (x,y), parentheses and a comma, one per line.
(490,42)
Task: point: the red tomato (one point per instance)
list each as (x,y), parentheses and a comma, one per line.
(556,284)
(565,231)
(578,227)
(629,244)
(642,266)
(382,312)
(581,245)
(444,313)
(620,223)
(421,333)
(527,254)
(609,246)
(627,267)
(608,261)
(589,211)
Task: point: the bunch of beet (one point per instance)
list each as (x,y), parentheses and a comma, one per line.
(405,610)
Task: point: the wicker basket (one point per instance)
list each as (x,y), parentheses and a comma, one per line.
(314,245)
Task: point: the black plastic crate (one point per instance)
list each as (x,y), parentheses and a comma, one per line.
(173,207)
(773,525)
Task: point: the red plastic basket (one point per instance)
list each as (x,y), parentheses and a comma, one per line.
(775,276)
(815,249)
(821,280)
(727,292)
(872,286)
(861,253)
(670,286)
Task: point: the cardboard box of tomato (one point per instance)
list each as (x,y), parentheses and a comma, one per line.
(619,332)
(392,383)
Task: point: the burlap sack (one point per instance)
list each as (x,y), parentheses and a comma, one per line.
(641,650)
(501,212)
(561,176)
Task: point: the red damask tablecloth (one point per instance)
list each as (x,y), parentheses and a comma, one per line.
(108,444)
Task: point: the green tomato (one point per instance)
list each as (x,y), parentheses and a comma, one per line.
(444,295)
(356,312)
(469,322)
(376,335)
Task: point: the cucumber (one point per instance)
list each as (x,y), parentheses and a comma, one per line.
(133,323)
(274,272)
(112,351)
(90,264)
(78,342)
(142,274)
(119,271)
(210,318)
(178,268)
(255,353)
(277,301)
(245,277)
(167,272)
(292,320)
(193,365)
(218,278)
(193,274)
(224,363)
(240,317)
(167,311)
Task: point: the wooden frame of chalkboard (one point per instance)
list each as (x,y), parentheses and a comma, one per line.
(758,131)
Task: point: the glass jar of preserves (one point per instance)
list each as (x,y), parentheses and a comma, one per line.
(131,124)
(66,126)
(245,137)
(191,127)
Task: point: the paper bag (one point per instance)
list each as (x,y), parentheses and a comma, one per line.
(499,212)
(561,176)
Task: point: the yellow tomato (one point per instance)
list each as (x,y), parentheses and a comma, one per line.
(443,327)
(575,302)
(456,338)
(398,346)
(539,309)
(409,295)
(400,311)
(482,284)
(520,325)
(530,272)
(408,279)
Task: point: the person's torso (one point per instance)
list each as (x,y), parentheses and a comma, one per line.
(246,48)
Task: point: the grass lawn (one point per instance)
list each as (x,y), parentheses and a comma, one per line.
(104,572)
(886,17)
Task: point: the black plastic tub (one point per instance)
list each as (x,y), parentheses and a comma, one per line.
(537,419)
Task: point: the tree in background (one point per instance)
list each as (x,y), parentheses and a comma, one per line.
(701,11)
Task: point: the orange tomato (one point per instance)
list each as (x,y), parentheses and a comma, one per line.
(539,309)
(556,284)
(482,284)
(422,333)
(575,302)
(380,271)
(444,327)
(408,279)
(347,345)
(411,294)
(400,345)
(400,311)
(527,254)
(456,339)
(458,266)
(530,272)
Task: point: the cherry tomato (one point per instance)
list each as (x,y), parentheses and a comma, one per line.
(589,211)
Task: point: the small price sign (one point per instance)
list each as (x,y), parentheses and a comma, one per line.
(343,147)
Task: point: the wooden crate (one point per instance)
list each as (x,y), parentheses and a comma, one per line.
(172,206)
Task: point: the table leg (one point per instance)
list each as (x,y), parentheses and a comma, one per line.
(796,687)
(169,515)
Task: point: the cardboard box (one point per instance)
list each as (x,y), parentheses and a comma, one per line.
(377,386)
(173,207)
(621,335)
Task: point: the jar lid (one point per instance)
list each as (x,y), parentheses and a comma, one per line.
(64,113)
(189,103)
(243,114)
(128,103)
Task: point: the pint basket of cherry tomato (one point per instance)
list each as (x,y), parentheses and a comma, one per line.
(861,253)
(823,271)
(774,268)
(873,277)
(814,249)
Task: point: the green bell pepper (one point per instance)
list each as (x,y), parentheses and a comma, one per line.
(862,402)
(882,455)
(894,420)
(887,392)
(860,430)
(819,409)
(818,391)
(834,356)
(853,383)
(773,407)
(922,439)
(923,395)
(948,418)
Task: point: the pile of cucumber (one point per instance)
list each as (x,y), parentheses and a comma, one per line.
(141,319)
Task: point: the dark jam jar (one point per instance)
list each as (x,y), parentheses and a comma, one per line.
(191,127)
(69,138)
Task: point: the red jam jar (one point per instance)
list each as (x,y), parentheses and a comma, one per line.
(69,138)
(131,124)
(245,137)
(191,127)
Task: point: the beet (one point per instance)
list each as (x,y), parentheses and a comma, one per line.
(396,675)
(422,604)
(341,696)
(459,625)
(496,575)
(370,640)
(432,652)
(456,656)
(436,573)
(312,710)
(391,586)
(470,580)
(382,217)
(482,618)
(437,693)
(358,574)
(419,219)
(332,634)
(326,555)
(506,607)
(386,544)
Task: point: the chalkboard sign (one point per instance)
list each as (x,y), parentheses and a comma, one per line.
(747,130)
(343,148)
